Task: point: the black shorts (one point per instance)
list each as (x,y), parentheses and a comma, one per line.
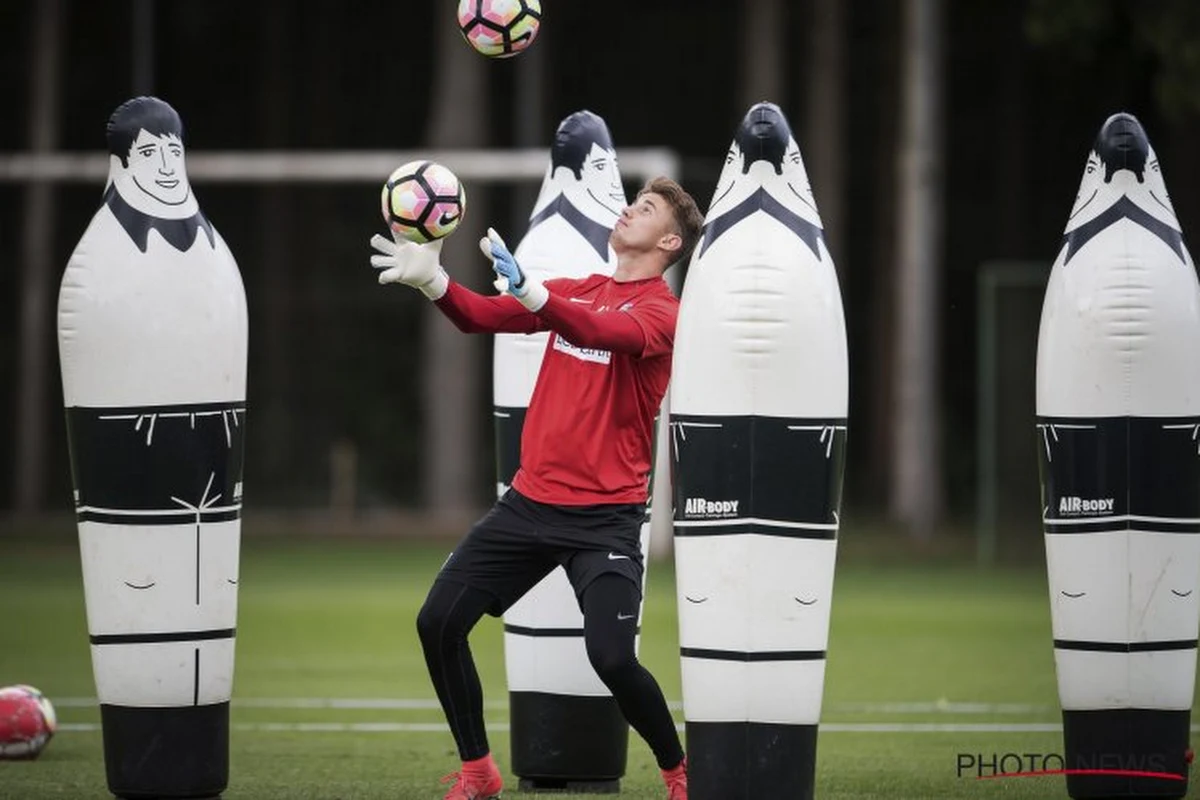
(520,541)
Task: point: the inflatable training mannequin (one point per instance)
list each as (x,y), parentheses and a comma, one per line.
(152,334)
(759,397)
(1118,410)
(566,729)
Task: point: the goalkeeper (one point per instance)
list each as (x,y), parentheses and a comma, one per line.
(579,496)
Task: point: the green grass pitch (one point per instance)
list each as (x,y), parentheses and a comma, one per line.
(929,662)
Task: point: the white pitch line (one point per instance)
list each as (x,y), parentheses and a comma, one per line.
(941,727)
(502,727)
(358,703)
(423,704)
(344,703)
(938,707)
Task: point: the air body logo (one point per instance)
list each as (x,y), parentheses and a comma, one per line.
(700,507)
(1075,506)
(582,353)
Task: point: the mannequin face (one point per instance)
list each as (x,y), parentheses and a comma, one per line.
(156,169)
(598,192)
(790,185)
(1096,194)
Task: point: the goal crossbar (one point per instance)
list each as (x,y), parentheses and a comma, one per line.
(327,166)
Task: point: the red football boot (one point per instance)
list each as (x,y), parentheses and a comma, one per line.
(479,780)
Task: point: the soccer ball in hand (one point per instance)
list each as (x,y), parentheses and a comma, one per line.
(27,722)
(423,201)
(499,28)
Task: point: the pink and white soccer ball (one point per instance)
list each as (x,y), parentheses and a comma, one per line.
(27,721)
(499,28)
(422,201)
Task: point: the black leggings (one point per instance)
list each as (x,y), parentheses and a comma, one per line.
(451,611)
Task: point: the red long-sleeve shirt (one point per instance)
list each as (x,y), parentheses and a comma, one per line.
(589,429)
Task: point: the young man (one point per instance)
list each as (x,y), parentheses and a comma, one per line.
(578,499)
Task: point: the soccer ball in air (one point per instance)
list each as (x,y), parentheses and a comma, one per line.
(423,201)
(27,722)
(499,28)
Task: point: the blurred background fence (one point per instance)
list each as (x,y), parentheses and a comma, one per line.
(945,142)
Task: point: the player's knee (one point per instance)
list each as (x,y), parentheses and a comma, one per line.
(432,622)
(611,663)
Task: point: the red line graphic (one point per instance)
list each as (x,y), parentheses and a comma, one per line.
(1124,773)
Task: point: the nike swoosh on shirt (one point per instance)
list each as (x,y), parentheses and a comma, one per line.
(615,557)
(622,617)
(578,300)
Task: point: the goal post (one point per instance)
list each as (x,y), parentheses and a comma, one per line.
(1009,295)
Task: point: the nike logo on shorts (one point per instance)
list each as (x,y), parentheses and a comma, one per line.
(615,557)
(624,617)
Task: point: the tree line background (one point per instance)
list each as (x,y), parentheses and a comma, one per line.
(939,136)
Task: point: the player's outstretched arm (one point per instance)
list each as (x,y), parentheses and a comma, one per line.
(419,266)
(581,326)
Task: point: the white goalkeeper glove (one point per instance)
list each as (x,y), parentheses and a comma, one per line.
(509,275)
(416,265)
